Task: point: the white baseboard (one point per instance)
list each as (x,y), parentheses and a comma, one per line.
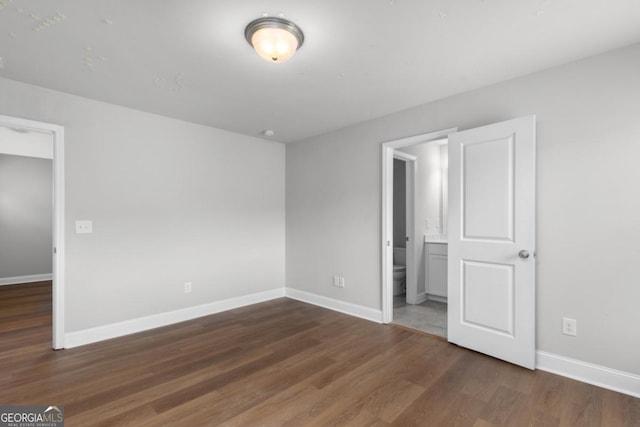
(436,298)
(622,382)
(419,298)
(336,305)
(600,376)
(25,279)
(114,330)
(612,379)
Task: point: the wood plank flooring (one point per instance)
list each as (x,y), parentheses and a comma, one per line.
(281,363)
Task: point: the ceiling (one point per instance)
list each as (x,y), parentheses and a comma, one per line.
(361,59)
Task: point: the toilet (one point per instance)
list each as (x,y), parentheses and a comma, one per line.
(399,270)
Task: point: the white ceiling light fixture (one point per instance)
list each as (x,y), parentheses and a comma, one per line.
(274,39)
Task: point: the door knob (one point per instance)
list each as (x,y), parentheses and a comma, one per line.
(524,254)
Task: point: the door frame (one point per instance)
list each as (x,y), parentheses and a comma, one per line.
(387,211)
(58,249)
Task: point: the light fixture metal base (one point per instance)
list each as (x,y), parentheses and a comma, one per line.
(273,22)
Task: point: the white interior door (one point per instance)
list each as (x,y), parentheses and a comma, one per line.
(492,240)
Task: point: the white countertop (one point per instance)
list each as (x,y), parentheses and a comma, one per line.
(436,239)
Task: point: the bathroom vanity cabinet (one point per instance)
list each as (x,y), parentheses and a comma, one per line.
(436,270)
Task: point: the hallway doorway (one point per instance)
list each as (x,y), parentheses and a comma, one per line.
(54,142)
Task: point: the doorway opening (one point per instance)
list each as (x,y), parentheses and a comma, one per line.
(51,140)
(422,182)
(416,168)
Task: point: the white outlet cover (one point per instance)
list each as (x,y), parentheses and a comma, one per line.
(84,227)
(569,326)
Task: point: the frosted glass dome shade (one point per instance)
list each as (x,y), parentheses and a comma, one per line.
(274,39)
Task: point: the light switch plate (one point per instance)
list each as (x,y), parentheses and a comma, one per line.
(84,227)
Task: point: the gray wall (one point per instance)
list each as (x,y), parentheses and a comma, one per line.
(399,204)
(587,203)
(26,216)
(171,202)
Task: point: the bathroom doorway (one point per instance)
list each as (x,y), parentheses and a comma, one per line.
(421,304)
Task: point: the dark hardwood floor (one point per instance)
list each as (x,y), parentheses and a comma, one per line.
(281,363)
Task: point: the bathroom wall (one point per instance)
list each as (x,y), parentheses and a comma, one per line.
(587,169)
(26,216)
(427,203)
(399,204)
(444,199)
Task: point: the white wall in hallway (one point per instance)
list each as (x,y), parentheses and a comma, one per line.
(24,142)
(26,216)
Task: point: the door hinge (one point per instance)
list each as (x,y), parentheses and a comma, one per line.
(55,250)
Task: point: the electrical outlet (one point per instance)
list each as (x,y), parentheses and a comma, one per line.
(84,227)
(569,326)
(187,287)
(341,284)
(336,281)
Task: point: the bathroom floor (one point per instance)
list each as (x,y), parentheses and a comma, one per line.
(430,316)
